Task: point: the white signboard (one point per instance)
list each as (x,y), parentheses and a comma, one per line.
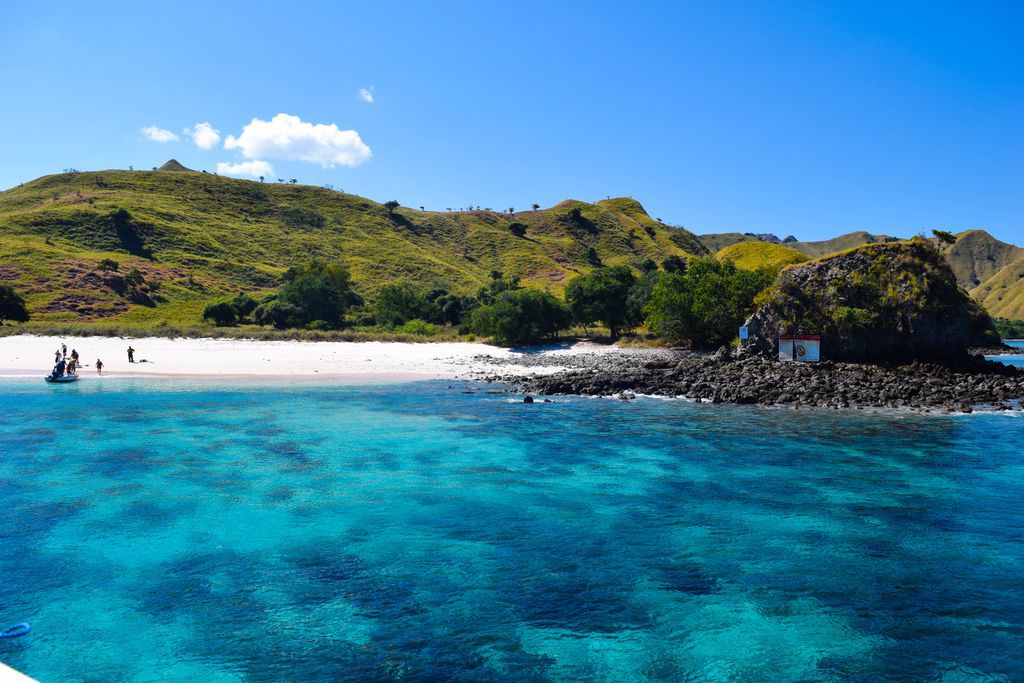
(800,348)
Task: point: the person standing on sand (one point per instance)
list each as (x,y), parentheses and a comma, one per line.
(99,367)
(64,350)
(131,355)
(56,356)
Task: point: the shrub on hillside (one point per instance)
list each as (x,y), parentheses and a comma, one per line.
(222,313)
(301,217)
(12,306)
(108,265)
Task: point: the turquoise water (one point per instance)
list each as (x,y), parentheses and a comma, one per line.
(1012,360)
(194,531)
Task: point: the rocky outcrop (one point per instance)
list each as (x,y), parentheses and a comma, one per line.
(919,386)
(892,302)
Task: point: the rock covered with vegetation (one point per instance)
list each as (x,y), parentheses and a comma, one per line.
(877,303)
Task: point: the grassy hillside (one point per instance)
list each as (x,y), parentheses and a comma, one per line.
(755,255)
(841,243)
(717,242)
(1003,293)
(976,256)
(196,237)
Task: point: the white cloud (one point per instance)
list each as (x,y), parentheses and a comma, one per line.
(253,169)
(204,135)
(159,134)
(292,139)
(366,94)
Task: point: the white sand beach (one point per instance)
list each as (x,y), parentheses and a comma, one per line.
(30,356)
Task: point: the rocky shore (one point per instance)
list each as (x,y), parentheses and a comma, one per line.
(950,387)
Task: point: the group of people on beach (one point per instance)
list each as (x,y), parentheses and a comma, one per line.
(68,364)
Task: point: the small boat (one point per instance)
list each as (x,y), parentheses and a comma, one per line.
(61,379)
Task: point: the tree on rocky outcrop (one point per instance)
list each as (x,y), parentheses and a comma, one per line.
(944,236)
(882,302)
(12,306)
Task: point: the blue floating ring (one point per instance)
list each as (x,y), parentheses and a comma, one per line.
(16,630)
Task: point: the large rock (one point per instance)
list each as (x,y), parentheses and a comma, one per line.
(887,302)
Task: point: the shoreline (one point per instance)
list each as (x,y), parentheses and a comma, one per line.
(957,387)
(28,356)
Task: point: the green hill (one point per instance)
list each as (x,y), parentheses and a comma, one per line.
(196,237)
(976,256)
(1003,293)
(717,242)
(841,243)
(755,255)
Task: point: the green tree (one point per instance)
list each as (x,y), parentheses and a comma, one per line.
(319,290)
(706,304)
(673,264)
(391,207)
(280,314)
(521,316)
(638,297)
(12,306)
(498,284)
(222,313)
(447,308)
(134,278)
(518,229)
(399,303)
(243,305)
(601,295)
(944,236)
(109,265)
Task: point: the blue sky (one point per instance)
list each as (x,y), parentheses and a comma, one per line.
(803,118)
